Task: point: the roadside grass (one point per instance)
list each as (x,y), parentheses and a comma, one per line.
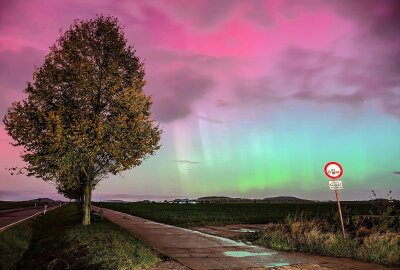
(58,241)
(311,237)
(14,242)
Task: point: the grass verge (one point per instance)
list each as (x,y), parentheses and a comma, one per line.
(379,247)
(58,241)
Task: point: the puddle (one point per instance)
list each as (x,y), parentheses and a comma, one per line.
(270,265)
(225,241)
(241,254)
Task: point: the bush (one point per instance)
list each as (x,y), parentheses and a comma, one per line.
(309,236)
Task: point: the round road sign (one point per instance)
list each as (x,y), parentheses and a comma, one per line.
(333,170)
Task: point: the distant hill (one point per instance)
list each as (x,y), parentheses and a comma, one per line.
(223,199)
(279,199)
(284,199)
(211,198)
(114,201)
(42,200)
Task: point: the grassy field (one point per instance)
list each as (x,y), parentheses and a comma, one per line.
(188,215)
(5,205)
(57,240)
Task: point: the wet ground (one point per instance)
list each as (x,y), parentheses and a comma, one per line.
(232,231)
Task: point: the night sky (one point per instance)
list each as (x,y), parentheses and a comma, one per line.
(254,97)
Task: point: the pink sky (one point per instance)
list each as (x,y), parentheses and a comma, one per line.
(230,53)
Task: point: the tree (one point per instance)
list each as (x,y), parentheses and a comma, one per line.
(86,114)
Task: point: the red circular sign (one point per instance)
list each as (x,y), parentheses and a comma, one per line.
(333,170)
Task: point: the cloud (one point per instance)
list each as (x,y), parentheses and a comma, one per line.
(205,14)
(324,77)
(396,172)
(209,119)
(259,11)
(175,92)
(376,18)
(255,91)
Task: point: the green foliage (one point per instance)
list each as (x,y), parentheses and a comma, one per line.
(86,114)
(56,240)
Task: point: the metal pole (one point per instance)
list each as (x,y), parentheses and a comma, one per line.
(340,212)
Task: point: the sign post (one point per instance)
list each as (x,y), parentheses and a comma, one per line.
(334,171)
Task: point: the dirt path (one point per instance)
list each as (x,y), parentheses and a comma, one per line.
(198,250)
(11,217)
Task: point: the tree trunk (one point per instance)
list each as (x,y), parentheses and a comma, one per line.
(81,197)
(87,196)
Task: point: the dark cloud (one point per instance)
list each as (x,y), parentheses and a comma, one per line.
(206,13)
(396,172)
(176,80)
(374,73)
(210,14)
(323,77)
(377,18)
(258,12)
(373,18)
(182,58)
(176,91)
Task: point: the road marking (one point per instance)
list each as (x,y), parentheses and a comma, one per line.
(21,220)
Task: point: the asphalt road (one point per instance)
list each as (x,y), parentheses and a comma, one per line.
(13,216)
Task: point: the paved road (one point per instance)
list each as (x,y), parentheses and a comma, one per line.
(198,250)
(12,216)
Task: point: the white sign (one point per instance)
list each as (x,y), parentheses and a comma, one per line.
(334,185)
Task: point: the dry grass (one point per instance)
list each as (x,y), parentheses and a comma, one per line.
(314,237)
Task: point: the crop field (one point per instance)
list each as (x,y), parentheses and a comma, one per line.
(5,205)
(203,214)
